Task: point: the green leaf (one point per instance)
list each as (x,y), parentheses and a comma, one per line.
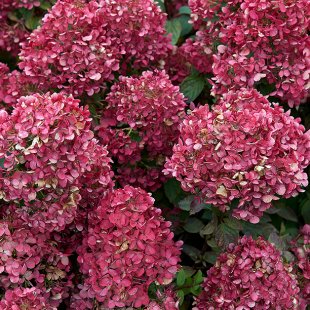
(198,278)
(33,23)
(234,223)
(195,206)
(194,72)
(45,5)
(161,4)
(185,10)
(208,229)
(286,212)
(191,87)
(185,204)
(2,160)
(27,14)
(189,271)
(193,225)
(191,251)
(211,257)
(305,211)
(134,135)
(265,219)
(172,189)
(225,235)
(174,27)
(186,28)
(12,16)
(181,278)
(276,241)
(268,229)
(180,295)
(250,229)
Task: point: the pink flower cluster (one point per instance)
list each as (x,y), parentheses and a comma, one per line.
(83,43)
(301,249)
(166,301)
(250,275)
(13,85)
(127,247)
(29,258)
(243,148)
(50,153)
(257,40)
(24,298)
(150,107)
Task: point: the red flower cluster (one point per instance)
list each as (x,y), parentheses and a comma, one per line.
(49,154)
(243,148)
(250,275)
(261,40)
(128,246)
(301,249)
(13,85)
(83,43)
(151,108)
(24,298)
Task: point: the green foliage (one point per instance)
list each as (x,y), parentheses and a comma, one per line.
(174,27)
(192,86)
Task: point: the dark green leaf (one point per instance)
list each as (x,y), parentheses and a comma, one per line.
(265,219)
(212,243)
(185,10)
(250,229)
(195,206)
(268,229)
(208,229)
(185,204)
(225,235)
(45,5)
(174,27)
(234,223)
(2,162)
(180,295)
(172,189)
(288,256)
(161,4)
(181,278)
(193,225)
(276,241)
(186,28)
(27,14)
(33,23)
(191,251)
(194,72)
(189,271)
(191,87)
(286,212)
(211,257)
(305,211)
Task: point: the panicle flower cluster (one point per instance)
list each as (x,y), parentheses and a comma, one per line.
(24,298)
(177,65)
(250,275)
(301,249)
(143,112)
(29,258)
(83,43)
(149,179)
(50,153)
(13,85)
(128,246)
(11,36)
(243,148)
(261,40)
(151,105)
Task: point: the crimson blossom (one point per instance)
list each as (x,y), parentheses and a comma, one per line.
(250,275)
(256,40)
(24,298)
(149,108)
(84,43)
(50,153)
(243,148)
(301,249)
(127,247)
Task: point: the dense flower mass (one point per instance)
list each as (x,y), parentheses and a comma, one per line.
(49,153)
(301,249)
(248,56)
(27,298)
(128,247)
(250,275)
(83,43)
(243,148)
